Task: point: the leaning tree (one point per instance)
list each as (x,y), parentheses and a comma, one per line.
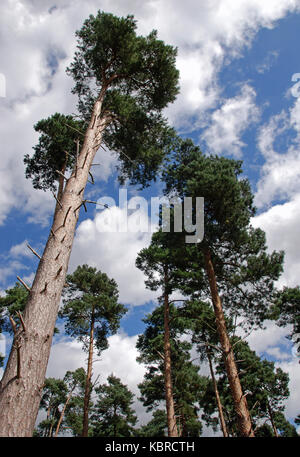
(123,81)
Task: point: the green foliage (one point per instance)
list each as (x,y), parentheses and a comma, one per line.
(266,388)
(54,398)
(137,77)
(57,135)
(157,426)
(74,412)
(286,311)
(91,296)
(245,271)
(113,414)
(187,384)
(228,200)
(13,302)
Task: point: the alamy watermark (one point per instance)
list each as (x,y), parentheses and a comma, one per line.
(2,86)
(133,215)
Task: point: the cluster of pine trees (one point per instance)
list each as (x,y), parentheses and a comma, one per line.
(226,282)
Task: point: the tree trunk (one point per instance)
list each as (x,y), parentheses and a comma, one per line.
(62,414)
(87,392)
(272,419)
(240,402)
(220,407)
(172,427)
(20,393)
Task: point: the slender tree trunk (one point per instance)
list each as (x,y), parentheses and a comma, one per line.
(62,414)
(51,428)
(87,392)
(240,402)
(20,392)
(172,427)
(272,420)
(220,407)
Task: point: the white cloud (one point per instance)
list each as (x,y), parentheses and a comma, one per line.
(229,122)
(119,359)
(292,403)
(281,224)
(114,252)
(280,173)
(268,62)
(38,42)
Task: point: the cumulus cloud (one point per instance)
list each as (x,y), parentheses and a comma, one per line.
(99,243)
(281,171)
(229,122)
(119,359)
(38,42)
(281,224)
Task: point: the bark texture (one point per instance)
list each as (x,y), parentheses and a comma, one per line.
(239,399)
(172,426)
(20,393)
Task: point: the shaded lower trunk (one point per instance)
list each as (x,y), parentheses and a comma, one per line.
(240,403)
(172,426)
(88,382)
(219,404)
(20,390)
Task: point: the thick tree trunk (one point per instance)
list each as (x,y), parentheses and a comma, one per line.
(87,392)
(240,402)
(20,394)
(220,407)
(172,427)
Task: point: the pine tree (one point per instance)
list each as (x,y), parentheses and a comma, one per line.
(54,396)
(92,312)
(228,209)
(56,399)
(154,262)
(187,385)
(157,426)
(266,388)
(113,414)
(123,81)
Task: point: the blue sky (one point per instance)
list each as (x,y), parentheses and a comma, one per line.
(236,61)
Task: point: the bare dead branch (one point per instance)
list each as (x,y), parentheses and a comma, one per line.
(23,283)
(21,320)
(61,174)
(73,128)
(92,177)
(57,200)
(13,324)
(33,251)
